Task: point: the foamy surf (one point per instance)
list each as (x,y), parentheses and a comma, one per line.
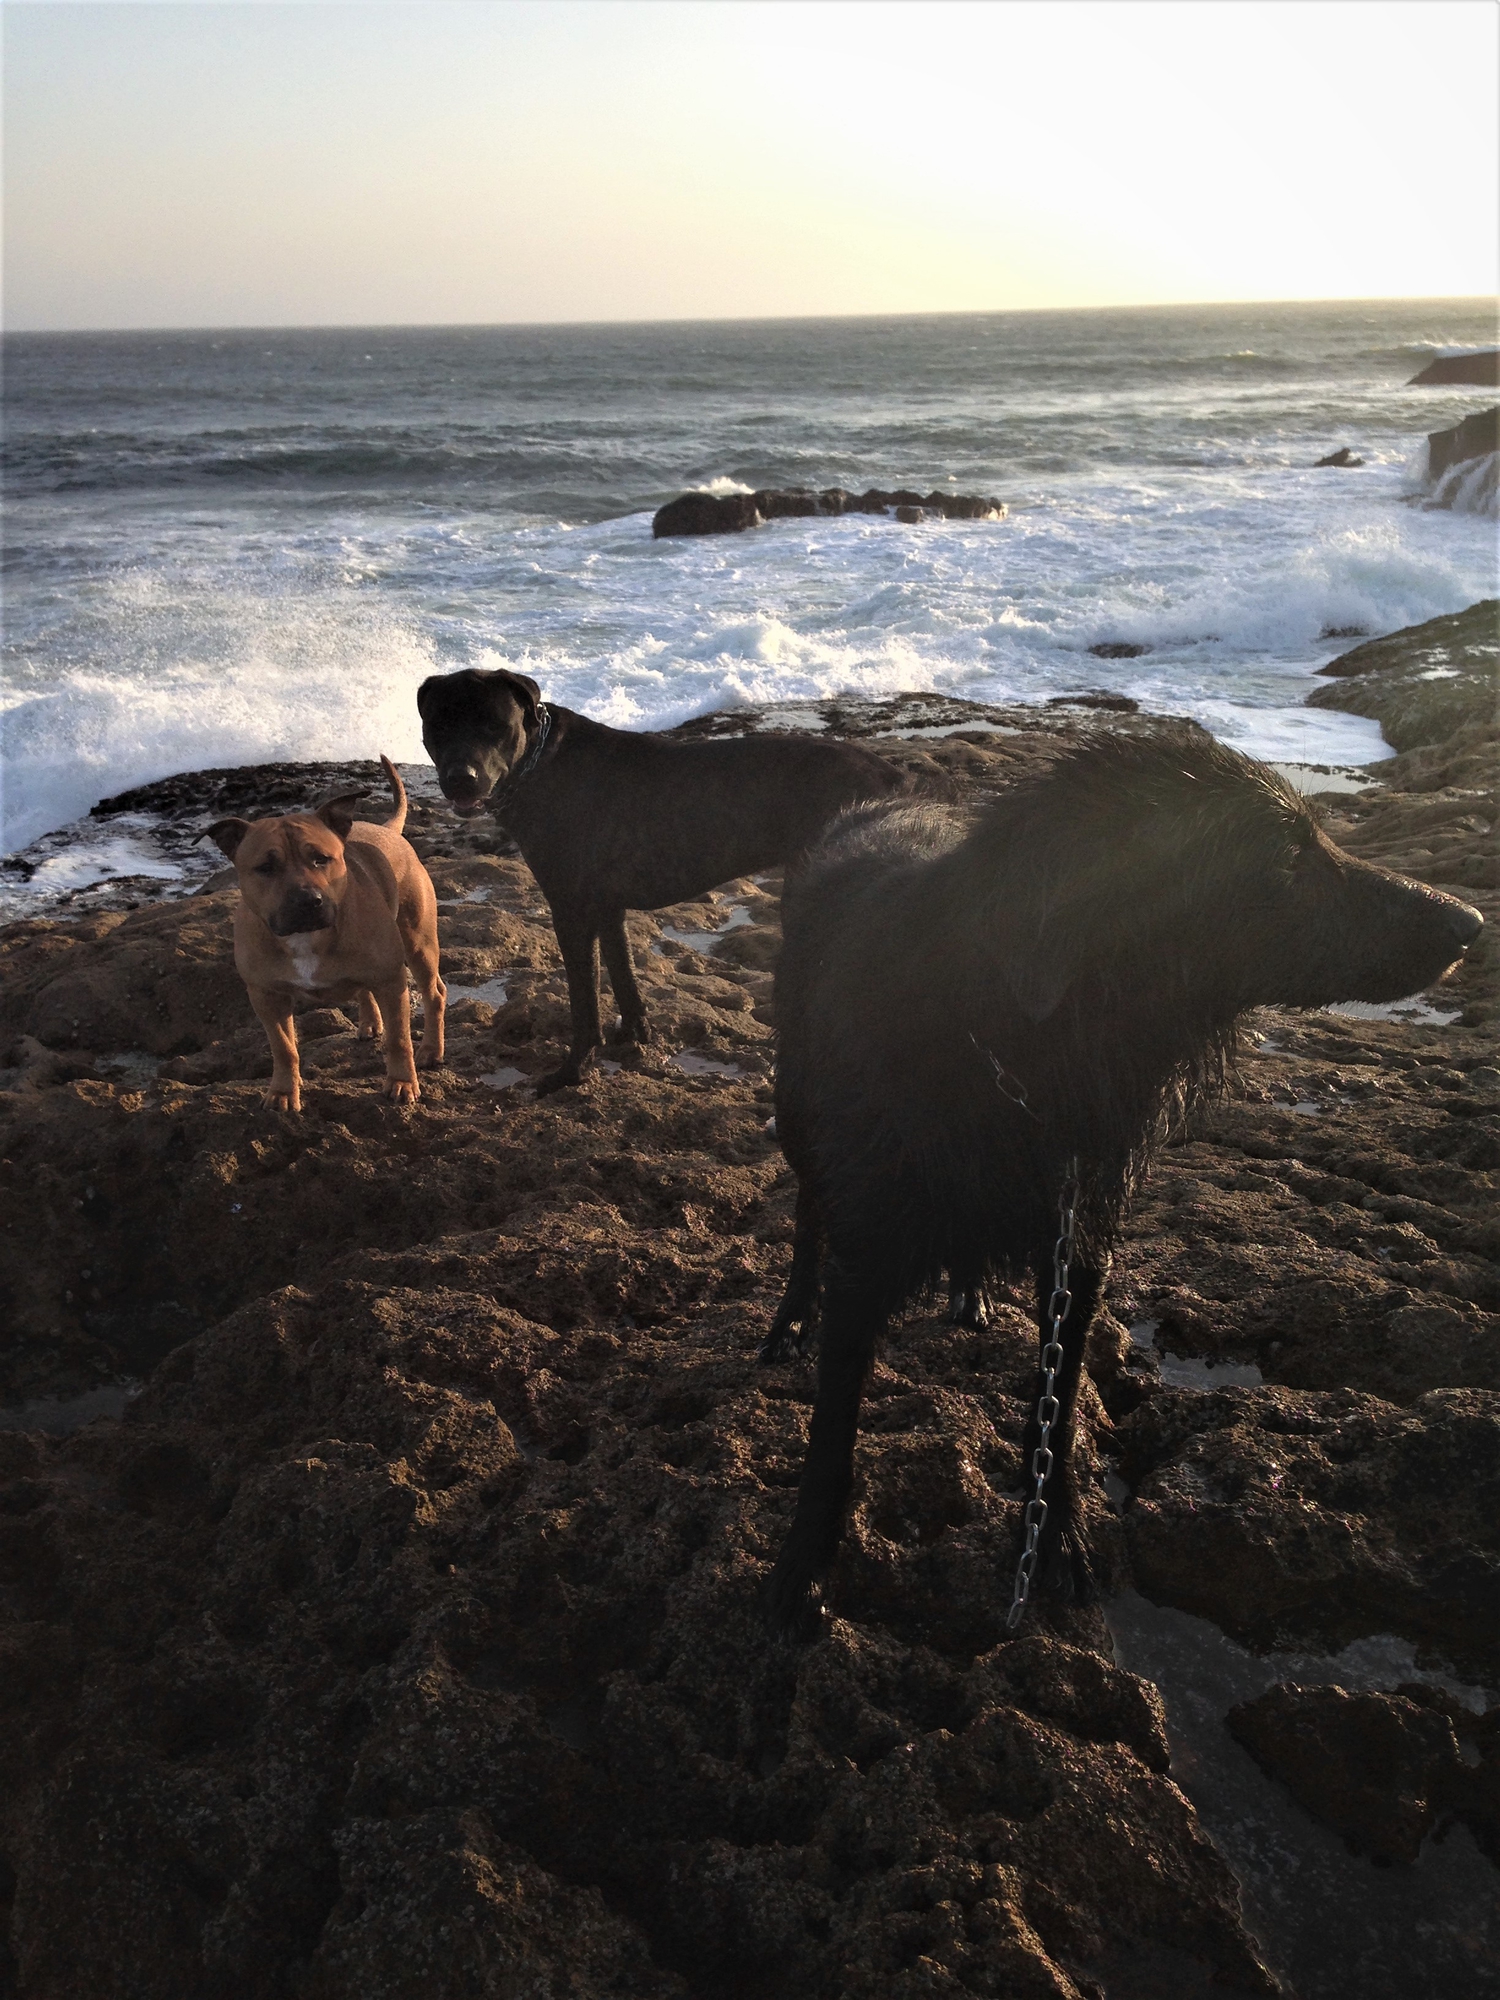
(276,586)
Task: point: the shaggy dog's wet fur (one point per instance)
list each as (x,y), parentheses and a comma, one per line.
(966,1005)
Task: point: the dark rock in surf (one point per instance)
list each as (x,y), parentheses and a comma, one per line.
(728,514)
(707,514)
(966,506)
(1118,649)
(1482,367)
(1475,437)
(778,503)
(1423,683)
(1343,456)
(1098,698)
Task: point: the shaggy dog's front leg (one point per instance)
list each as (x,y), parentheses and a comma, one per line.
(853,1317)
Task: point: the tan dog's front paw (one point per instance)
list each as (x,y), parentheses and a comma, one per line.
(402,1090)
(282,1100)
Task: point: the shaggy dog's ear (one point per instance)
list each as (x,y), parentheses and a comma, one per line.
(337,812)
(1039,983)
(226,835)
(1045,944)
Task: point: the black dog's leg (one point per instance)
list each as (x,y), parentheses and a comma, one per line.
(617,963)
(1062,1556)
(852,1319)
(579,939)
(796,1318)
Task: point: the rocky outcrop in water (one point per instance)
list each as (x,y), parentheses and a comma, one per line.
(1481,367)
(401,1638)
(1424,683)
(1475,437)
(1343,457)
(729,513)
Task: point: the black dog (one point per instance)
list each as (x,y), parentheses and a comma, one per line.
(610,821)
(967,1007)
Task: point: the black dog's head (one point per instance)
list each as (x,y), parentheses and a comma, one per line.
(1176,868)
(475,726)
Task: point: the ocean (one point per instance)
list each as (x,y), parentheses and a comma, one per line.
(235,547)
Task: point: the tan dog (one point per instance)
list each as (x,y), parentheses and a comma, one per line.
(337,907)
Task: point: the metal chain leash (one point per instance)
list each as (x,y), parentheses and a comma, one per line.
(1048,1407)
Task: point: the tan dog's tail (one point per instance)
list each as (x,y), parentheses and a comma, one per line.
(397,819)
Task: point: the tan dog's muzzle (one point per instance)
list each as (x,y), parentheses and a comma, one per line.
(300,912)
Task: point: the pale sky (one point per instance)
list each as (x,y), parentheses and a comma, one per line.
(288,162)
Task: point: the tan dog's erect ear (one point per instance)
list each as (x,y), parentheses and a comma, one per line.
(226,834)
(337,812)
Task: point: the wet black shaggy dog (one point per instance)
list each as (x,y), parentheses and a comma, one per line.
(967,1005)
(611,820)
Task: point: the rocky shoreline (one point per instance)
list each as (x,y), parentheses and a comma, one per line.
(399,1637)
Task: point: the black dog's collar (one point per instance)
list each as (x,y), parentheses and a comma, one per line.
(537,745)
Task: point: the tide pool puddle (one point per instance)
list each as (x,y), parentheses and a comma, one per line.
(1416,1012)
(1314,778)
(493,992)
(1333,1924)
(696,1065)
(707,941)
(60,1416)
(1192,1371)
(133,1066)
(504,1078)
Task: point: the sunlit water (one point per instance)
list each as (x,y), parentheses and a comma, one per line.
(223,548)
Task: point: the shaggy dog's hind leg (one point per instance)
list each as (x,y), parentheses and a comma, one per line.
(967,1304)
(796,1321)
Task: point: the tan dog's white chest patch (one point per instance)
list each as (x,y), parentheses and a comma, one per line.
(306,958)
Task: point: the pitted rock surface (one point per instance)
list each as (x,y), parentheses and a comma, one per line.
(402,1637)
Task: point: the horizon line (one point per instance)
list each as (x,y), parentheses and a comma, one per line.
(740,319)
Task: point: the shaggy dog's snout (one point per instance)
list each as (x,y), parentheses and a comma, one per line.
(1391,937)
(1464,922)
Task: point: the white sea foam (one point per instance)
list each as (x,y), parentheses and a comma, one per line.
(1471,487)
(214,677)
(287,605)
